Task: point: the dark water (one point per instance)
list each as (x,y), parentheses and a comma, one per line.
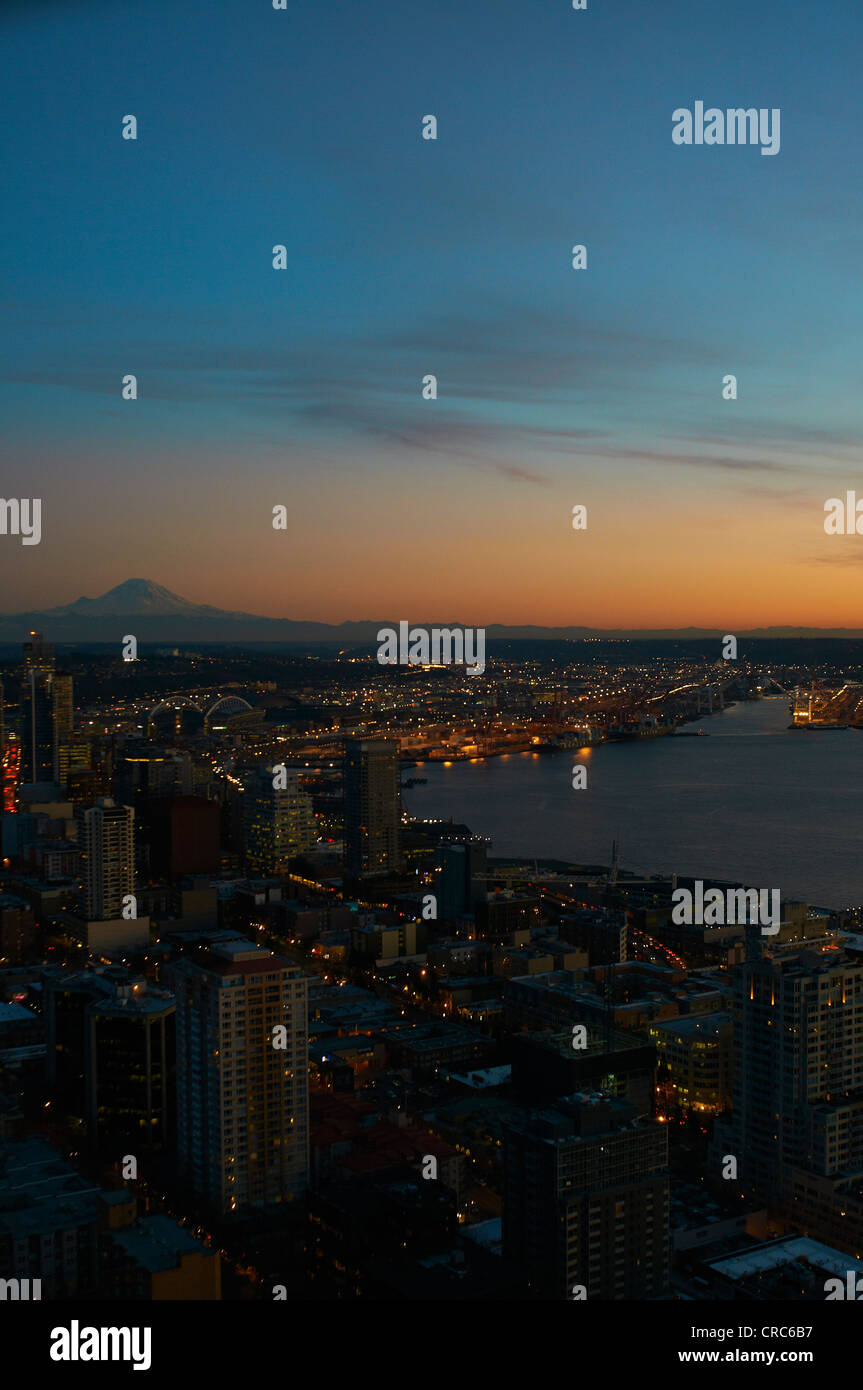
(754,801)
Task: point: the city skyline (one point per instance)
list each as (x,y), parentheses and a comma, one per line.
(431,672)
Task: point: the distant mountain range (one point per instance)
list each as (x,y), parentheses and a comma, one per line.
(152,613)
(139,596)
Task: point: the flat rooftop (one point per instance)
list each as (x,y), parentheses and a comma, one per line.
(762,1259)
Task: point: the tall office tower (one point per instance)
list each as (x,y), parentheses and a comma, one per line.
(73,755)
(194,776)
(106,843)
(38,729)
(85,785)
(38,655)
(242,1103)
(462,879)
(39,726)
(372,807)
(67,998)
(143,772)
(278,823)
(586,1200)
(796,1131)
(10,751)
(129,1071)
(63,718)
(140,774)
(48,721)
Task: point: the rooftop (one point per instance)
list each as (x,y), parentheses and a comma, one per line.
(158,1243)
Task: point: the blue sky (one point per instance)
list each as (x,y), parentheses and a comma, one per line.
(406,256)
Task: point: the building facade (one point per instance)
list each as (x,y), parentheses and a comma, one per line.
(585,1211)
(242,1102)
(372,807)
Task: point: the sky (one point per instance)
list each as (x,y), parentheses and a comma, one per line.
(302,387)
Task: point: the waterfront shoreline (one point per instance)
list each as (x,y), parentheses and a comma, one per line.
(749,803)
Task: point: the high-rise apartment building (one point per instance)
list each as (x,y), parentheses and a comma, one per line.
(278,821)
(49,1221)
(242,1103)
(796,1129)
(106,843)
(372,807)
(585,1210)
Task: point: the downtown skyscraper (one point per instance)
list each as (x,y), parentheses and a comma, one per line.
(242,1100)
(796,1129)
(106,842)
(48,716)
(278,821)
(372,807)
(585,1210)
